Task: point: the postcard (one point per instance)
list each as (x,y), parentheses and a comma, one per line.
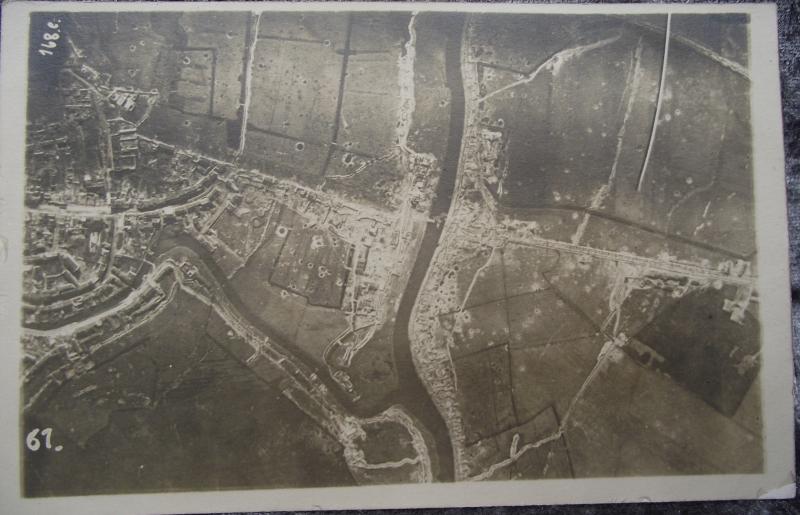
(359,255)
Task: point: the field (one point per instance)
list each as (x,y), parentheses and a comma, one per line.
(696,182)
(222,33)
(428,132)
(706,351)
(486,393)
(687,435)
(275,280)
(554,372)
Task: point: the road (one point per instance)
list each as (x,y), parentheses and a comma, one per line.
(680,268)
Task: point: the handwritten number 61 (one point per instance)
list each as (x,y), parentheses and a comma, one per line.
(33,442)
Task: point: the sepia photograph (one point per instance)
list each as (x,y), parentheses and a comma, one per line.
(270,247)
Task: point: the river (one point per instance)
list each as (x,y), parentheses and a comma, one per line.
(412,394)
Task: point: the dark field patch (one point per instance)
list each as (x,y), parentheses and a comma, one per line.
(485,393)
(386,441)
(704,348)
